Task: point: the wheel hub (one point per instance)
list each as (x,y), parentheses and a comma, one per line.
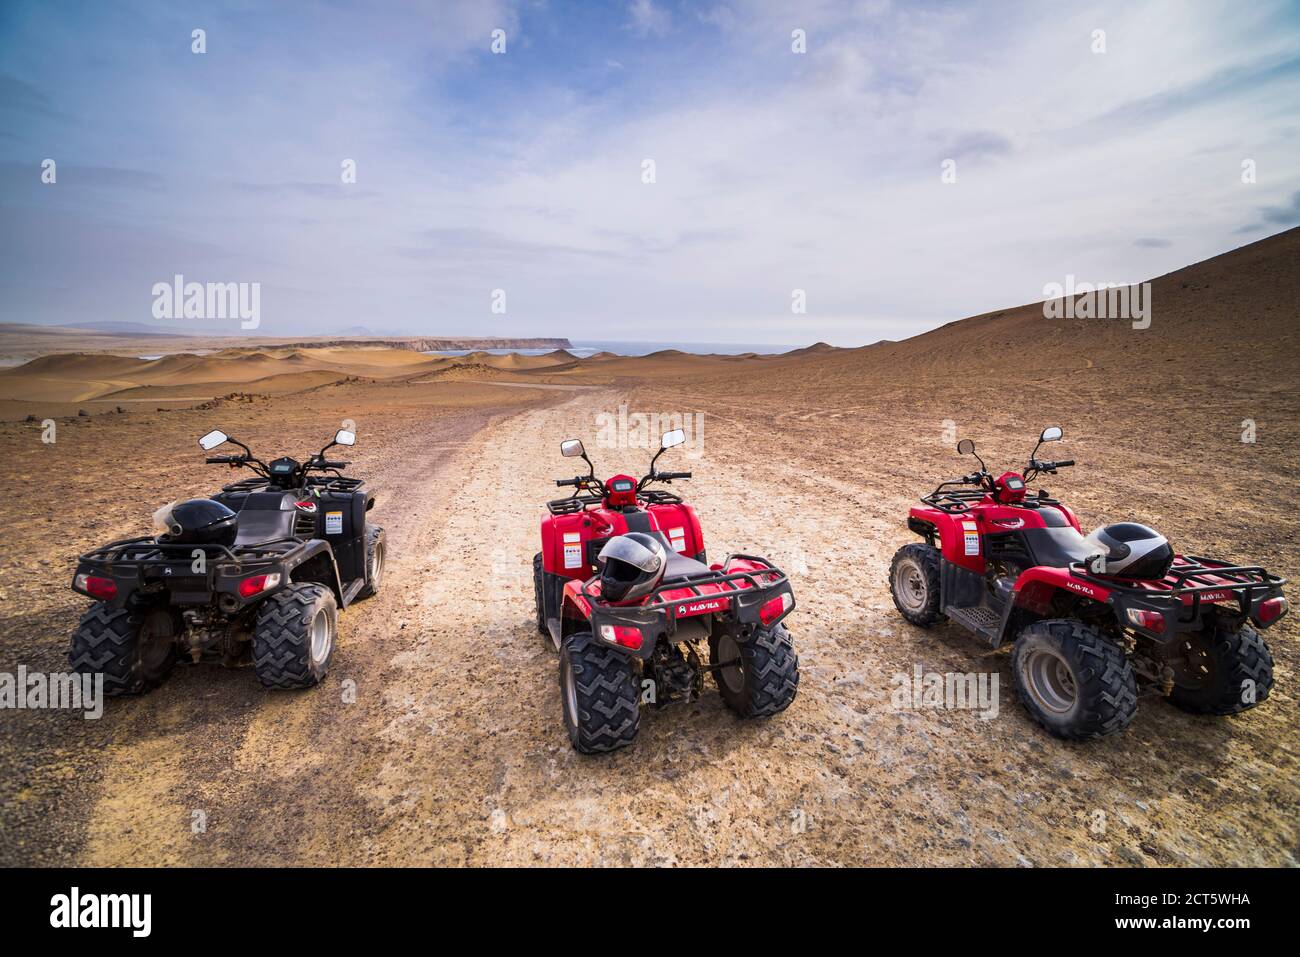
(910,585)
(320,637)
(1050,681)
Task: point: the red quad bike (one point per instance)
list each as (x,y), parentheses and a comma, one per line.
(1091,616)
(625,595)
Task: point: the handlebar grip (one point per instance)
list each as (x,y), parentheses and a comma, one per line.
(335,465)
(221,459)
(674,475)
(563,482)
(1066,462)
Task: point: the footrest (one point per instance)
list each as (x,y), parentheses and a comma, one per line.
(979,618)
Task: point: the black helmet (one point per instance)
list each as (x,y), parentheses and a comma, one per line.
(1131,550)
(632,566)
(197,521)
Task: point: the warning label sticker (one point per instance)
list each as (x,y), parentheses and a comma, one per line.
(971,538)
(677,537)
(333,523)
(572,555)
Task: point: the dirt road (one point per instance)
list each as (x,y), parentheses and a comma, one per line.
(437,739)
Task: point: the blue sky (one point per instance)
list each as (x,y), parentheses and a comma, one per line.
(522,171)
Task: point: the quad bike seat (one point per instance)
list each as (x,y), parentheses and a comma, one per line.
(265,517)
(1058,547)
(679,566)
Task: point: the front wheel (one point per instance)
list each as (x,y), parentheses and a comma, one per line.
(293,639)
(1224,670)
(1072,680)
(600,695)
(914,582)
(538,598)
(759,677)
(134,651)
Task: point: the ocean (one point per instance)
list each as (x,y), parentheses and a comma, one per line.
(584,348)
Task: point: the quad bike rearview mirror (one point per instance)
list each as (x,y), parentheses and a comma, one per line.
(571,448)
(213,439)
(675,437)
(1052,433)
(965,447)
(345,437)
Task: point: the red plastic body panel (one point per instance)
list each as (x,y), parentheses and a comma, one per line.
(1035,587)
(961,534)
(1006,493)
(565,537)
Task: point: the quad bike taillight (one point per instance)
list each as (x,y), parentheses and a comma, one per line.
(1271,610)
(1143,618)
(105,589)
(624,635)
(256,584)
(774,609)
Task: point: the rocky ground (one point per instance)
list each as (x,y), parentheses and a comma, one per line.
(452,750)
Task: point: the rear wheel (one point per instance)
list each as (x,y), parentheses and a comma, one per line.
(376,553)
(758,677)
(134,651)
(1223,670)
(599,694)
(914,582)
(1073,680)
(294,637)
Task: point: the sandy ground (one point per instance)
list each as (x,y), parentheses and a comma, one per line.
(437,737)
(453,751)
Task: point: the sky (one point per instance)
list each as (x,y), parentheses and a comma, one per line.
(509,193)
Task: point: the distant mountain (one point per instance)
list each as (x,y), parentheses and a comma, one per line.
(134,328)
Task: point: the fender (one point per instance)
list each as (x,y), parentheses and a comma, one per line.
(322,556)
(1034,587)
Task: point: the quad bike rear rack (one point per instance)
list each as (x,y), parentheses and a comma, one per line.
(138,552)
(655,602)
(1187,577)
(658,616)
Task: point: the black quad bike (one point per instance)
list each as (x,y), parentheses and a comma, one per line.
(1092,617)
(256,573)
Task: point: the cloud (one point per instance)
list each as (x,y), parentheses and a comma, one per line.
(775,170)
(1287,215)
(648,19)
(977,145)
